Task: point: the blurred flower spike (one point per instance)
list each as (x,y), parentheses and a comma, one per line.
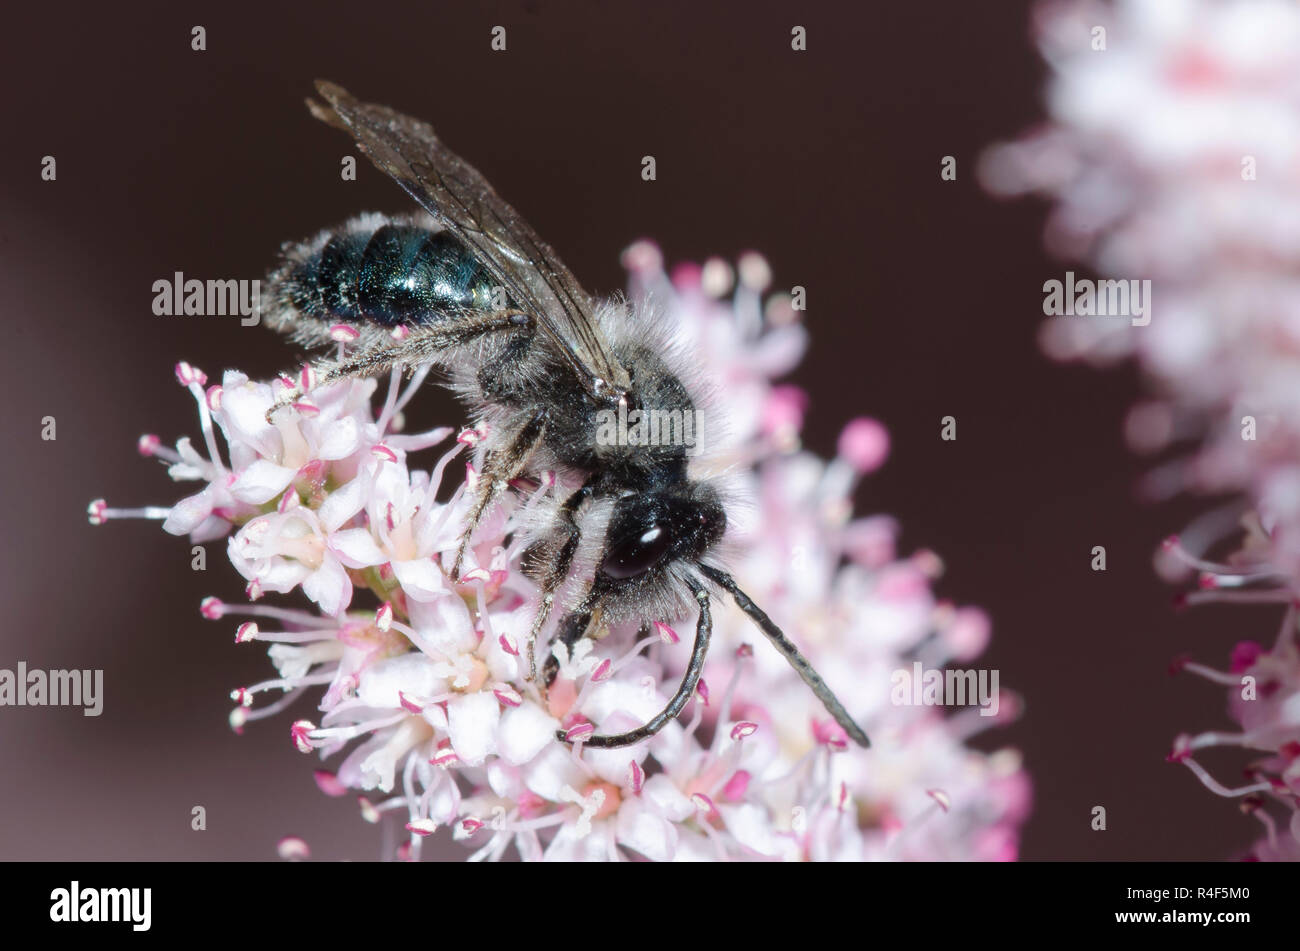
(1172,156)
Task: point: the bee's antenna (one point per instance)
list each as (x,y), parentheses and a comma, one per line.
(703,628)
(786,647)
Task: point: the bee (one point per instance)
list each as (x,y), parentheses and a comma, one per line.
(468,288)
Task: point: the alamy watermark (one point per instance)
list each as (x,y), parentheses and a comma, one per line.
(1088,298)
(945,688)
(194,298)
(77,904)
(649,427)
(53,688)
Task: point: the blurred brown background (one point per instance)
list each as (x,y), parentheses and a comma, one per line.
(924,301)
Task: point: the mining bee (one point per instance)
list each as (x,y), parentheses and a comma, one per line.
(468,288)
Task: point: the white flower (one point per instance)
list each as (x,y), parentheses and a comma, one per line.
(424,693)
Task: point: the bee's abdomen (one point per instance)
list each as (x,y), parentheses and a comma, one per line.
(394,275)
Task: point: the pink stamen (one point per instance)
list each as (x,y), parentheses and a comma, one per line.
(329,783)
(300,732)
(666,633)
(187,375)
(422,827)
(743,729)
(293,849)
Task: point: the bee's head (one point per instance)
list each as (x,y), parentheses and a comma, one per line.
(651,532)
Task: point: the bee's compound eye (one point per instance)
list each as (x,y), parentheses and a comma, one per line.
(637,554)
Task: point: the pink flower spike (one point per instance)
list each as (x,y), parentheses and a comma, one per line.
(147,444)
(384,616)
(635,777)
(603,671)
(329,783)
(344,333)
(292,849)
(666,633)
(508,645)
(368,811)
(246,632)
(212,608)
(508,695)
(422,827)
(743,729)
(187,374)
(300,733)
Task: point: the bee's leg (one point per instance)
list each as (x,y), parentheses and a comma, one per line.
(796,659)
(499,468)
(423,344)
(554,576)
(703,629)
(571,630)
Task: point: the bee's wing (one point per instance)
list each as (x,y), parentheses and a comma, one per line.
(461,199)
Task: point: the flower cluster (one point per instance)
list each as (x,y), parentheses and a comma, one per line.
(1173,156)
(422,684)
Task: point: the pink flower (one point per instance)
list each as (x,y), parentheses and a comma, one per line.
(424,693)
(1172,157)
